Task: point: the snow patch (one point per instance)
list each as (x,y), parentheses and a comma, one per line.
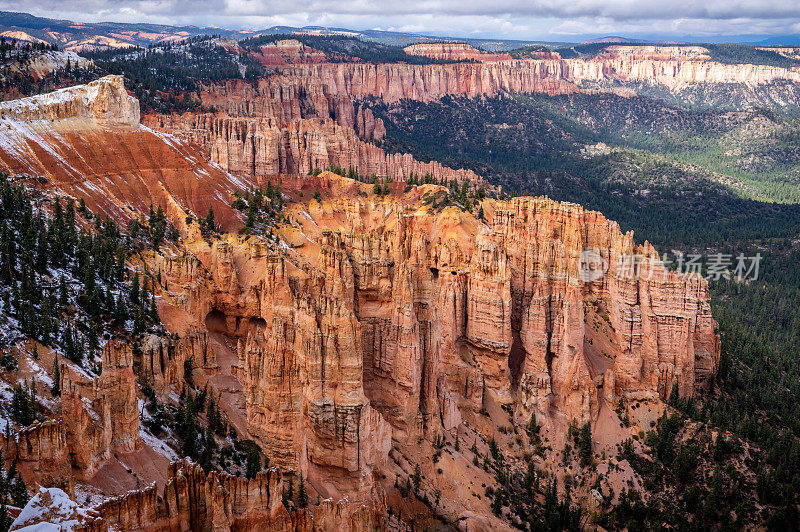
(50,509)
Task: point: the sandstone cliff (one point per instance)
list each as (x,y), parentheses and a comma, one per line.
(194,500)
(102,101)
(370,324)
(87,141)
(389,320)
(100,415)
(257,147)
(287,51)
(453,52)
(541,72)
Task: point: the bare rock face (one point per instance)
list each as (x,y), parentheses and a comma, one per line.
(392,321)
(100,415)
(104,101)
(42,64)
(299,362)
(194,500)
(40,453)
(397,81)
(548,73)
(286,51)
(257,147)
(453,52)
(670,66)
(87,141)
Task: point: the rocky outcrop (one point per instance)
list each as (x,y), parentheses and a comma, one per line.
(40,65)
(263,147)
(161,362)
(286,51)
(453,52)
(285,99)
(389,320)
(86,141)
(101,414)
(299,362)
(194,500)
(287,123)
(104,101)
(670,66)
(40,453)
(393,82)
(397,81)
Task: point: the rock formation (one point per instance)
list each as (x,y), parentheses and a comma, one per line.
(397,81)
(310,116)
(257,147)
(40,453)
(453,52)
(102,101)
(100,415)
(394,321)
(286,51)
(372,322)
(87,141)
(193,500)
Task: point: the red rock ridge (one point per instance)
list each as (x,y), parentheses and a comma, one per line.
(194,500)
(454,52)
(257,147)
(287,51)
(384,320)
(87,142)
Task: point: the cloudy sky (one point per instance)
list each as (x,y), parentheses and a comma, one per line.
(520,19)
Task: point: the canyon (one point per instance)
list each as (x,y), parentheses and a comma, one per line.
(361,328)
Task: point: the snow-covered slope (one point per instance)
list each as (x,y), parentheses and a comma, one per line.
(50,509)
(87,141)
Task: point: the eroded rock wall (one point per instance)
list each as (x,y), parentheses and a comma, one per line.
(101,414)
(393,320)
(194,500)
(256,147)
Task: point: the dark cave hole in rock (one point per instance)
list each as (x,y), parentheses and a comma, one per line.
(216,321)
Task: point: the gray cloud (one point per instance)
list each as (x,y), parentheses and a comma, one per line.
(548,19)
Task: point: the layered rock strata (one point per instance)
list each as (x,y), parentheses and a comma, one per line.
(100,415)
(388,320)
(453,52)
(103,101)
(87,142)
(194,500)
(257,147)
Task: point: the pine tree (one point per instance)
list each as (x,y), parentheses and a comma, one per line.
(120,310)
(62,291)
(56,389)
(253,462)
(135,289)
(154,317)
(5,520)
(210,225)
(19,492)
(302,496)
